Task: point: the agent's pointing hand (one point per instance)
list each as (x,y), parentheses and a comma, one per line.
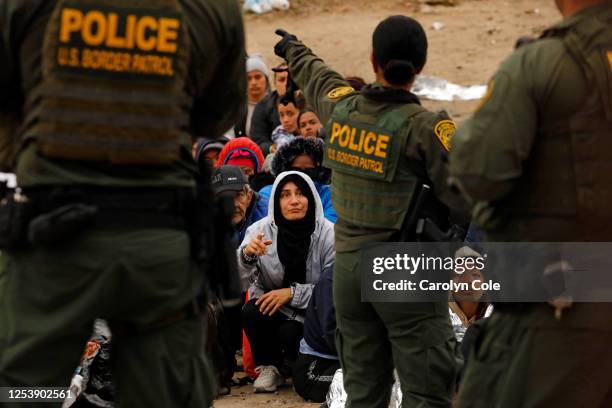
(280,48)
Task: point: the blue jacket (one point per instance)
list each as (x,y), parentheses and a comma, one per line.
(324,191)
(320,320)
(255,213)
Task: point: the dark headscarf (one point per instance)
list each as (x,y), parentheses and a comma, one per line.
(294,236)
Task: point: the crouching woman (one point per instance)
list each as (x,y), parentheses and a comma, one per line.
(281,259)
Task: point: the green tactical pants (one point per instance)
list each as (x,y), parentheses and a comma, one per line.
(373,338)
(531,361)
(133,279)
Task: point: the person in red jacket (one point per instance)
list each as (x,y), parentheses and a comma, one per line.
(242,152)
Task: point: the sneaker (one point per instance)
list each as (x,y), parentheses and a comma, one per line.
(269,379)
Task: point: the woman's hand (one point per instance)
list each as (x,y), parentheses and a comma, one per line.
(257,246)
(270,302)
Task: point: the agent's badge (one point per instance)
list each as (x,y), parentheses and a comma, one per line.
(444,130)
(337,93)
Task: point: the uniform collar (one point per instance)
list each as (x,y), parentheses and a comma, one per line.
(582,14)
(379,93)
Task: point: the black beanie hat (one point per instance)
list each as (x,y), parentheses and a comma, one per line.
(400,48)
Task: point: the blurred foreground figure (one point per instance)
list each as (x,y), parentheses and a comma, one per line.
(107,97)
(535,159)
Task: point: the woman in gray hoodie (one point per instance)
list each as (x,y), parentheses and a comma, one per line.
(280,260)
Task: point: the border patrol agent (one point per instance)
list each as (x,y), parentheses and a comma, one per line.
(381,145)
(107,96)
(535,159)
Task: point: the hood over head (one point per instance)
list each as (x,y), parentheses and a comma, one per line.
(300,145)
(319,215)
(241,151)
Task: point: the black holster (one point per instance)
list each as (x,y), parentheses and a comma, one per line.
(61,224)
(54,215)
(423,220)
(16,211)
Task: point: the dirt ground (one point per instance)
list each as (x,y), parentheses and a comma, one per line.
(244,397)
(475,37)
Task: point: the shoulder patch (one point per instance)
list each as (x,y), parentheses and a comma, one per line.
(340,92)
(487,95)
(610,59)
(444,130)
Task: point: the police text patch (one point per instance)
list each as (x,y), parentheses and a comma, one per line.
(361,150)
(340,92)
(117,42)
(444,130)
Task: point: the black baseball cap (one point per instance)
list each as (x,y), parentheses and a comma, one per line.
(228,178)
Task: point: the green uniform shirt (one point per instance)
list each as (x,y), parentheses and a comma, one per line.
(424,148)
(536,91)
(217,83)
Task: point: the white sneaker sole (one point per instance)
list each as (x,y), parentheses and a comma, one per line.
(272,388)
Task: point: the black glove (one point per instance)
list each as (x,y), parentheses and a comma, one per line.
(280,48)
(525,40)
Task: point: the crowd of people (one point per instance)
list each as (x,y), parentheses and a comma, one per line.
(283,232)
(254,245)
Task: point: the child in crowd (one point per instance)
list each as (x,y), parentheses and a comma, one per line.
(309,124)
(288,113)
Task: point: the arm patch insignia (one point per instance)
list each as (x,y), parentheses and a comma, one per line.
(487,95)
(339,92)
(610,59)
(444,130)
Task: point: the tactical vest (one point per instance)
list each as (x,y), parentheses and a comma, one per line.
(372,186)
(567,184)
(113,83)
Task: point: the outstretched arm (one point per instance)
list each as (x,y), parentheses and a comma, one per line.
(322,86)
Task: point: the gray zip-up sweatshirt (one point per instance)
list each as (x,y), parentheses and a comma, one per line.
(267,272)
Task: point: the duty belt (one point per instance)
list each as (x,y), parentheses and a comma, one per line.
(123,208)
